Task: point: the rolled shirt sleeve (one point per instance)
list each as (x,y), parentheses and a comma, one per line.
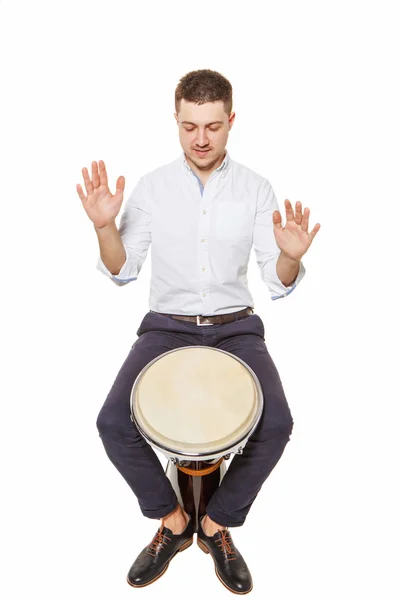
(265,247)
(135,231)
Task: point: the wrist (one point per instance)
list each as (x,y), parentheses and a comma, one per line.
(105,228)
(289,259)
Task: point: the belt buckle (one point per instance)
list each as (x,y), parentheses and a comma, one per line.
(198,317)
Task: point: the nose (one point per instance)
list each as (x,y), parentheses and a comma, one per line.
(202,139)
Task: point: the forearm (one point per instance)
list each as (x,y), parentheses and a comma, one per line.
(112,250)
(287,269)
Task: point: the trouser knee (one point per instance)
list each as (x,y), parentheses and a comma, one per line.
(281,428)
(110,426)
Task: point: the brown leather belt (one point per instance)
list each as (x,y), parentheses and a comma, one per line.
(210,320)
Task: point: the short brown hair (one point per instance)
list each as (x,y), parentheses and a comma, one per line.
(203,86)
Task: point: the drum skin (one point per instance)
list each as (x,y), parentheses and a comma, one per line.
(196,402)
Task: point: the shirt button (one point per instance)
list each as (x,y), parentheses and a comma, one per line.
(204,212)
(203,268)
(203,294)
(203,240)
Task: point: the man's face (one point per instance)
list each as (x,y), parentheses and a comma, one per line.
(203,127)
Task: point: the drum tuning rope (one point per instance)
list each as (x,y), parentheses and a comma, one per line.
(200,472)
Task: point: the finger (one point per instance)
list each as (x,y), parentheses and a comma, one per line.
(120,184)
(313,233)
(86,179)
(95,175)
(103,173)
(80,193)
(304,221)
(277,219)
(298,215)
(289,211)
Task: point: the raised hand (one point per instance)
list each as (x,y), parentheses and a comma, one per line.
(100,205)
(293,239)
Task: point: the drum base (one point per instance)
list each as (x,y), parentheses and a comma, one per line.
(195,491)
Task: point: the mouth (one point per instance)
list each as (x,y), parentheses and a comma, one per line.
(201,152)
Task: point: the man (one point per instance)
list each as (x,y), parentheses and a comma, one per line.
(202,213)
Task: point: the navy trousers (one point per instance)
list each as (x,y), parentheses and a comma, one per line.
(136,460)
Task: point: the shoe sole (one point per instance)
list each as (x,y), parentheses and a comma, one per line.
(183,547)
(206,550)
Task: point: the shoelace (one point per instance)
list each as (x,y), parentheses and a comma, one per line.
(159,536)
(225,544)
(157,539)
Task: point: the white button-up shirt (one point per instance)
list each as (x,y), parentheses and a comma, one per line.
(200,237)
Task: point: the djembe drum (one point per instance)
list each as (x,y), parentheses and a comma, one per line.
(197,405)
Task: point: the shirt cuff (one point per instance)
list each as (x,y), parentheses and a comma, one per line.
(275,285)
(127,273)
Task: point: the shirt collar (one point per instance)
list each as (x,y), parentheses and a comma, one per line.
(223,167)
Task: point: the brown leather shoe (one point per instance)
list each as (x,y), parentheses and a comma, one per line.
(230,566)
(154,559)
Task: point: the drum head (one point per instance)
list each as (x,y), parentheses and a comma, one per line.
(196,400)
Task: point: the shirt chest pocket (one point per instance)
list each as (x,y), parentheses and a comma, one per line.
(232,220)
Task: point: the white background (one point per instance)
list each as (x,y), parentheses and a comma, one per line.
(317,113)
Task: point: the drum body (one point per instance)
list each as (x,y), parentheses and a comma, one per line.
(197,405)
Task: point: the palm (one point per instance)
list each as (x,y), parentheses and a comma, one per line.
(102,205)
(293,239)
